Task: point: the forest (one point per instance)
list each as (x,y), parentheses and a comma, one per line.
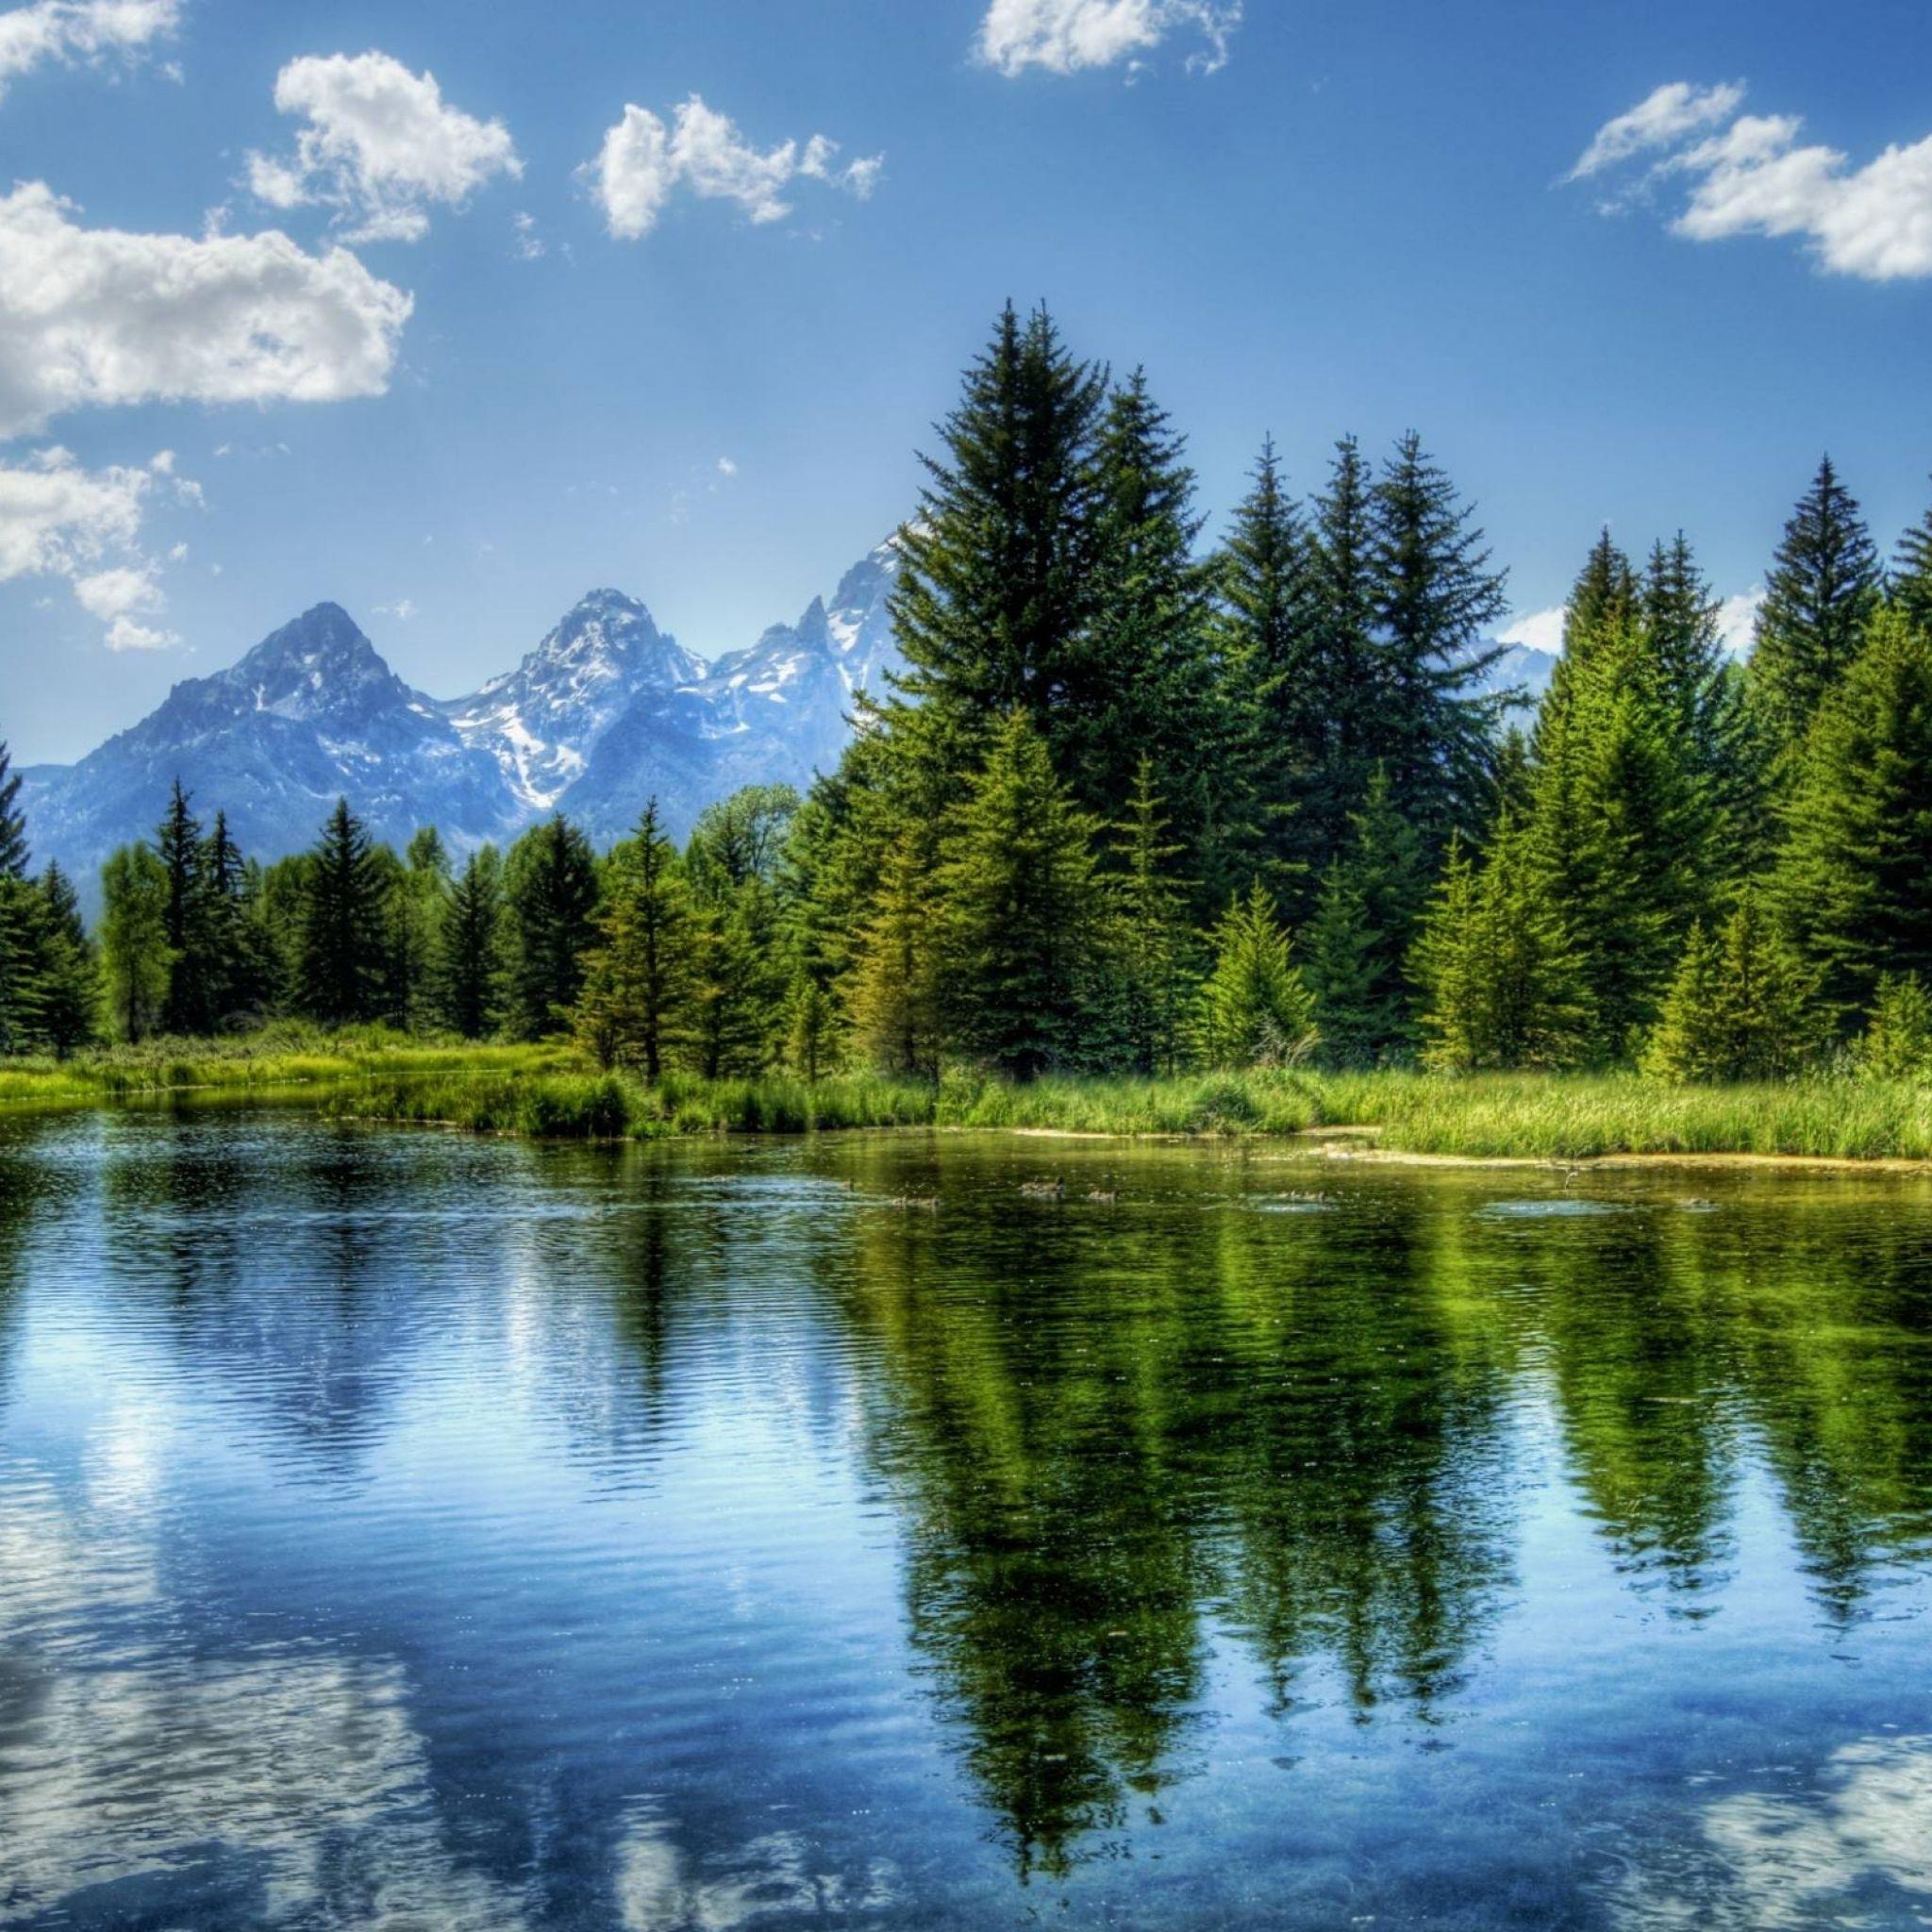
(1141,805)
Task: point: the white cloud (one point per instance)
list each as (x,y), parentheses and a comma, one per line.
(67,31)
(58,520)
(402,609)
(94,316)
(642,162)
(1659,121)
(1737,620)
(1540,630)
(380,144)
(1753,177)
(1063,35)
(528,245)
(726,467)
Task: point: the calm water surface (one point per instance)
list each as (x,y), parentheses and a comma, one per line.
(403,1530)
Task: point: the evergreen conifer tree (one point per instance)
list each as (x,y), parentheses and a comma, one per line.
(1911,580)
(1850,883)
(13,845)
(1500,983)
(1604,596)
(1897,1043)
(894,973)
(810,1034)
(68,974)
(1020,912)
(640,984)
(135,962)
(552,891)
(469,963)
(1436,599)
(1822,592)
(1152,944)
(1255,1008)
(1347,677)
(179,846)
(21,989)
(1364,927)
(1740,1007)
(342,939)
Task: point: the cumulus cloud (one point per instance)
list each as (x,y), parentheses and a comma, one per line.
(1063,35)
(1662,119)
(1540,630)
(380,145)
(1754,177)
(84,31)
(642,162)
(1737,620)
(97,316)
(60,520)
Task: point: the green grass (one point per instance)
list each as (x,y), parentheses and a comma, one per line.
(549,1092)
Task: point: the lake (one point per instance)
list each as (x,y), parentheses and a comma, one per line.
(406,1530)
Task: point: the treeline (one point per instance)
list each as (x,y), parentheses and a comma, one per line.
(1130,806)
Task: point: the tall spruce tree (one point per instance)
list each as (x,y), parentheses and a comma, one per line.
(1911,580)
(1255,1008)
(641,980)
(1279,693)
(1604,596)
(68,972)
(13,847)
(1347,676)
(179,846)
(551,888)
(469,967)
(1500,983)
(1020,912)
(996,587)
(22,987)
(1436,599)
(1152,944)
(242,970)
(1364,926)
(1822,592)
(1849,888)
(341,945)
(1740,1007)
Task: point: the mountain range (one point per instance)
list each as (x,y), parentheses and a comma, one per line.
(605,713)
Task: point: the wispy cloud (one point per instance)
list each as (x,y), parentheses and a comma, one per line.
(381,145)
(1753,175)
(642,163)
(69,32)
(1064,36)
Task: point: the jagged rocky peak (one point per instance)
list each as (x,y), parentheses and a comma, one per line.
(319,664)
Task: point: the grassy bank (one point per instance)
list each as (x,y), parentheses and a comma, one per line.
(548,1091)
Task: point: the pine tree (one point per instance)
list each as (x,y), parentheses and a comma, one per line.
(21,989)
(177,845)
(1255,1010)
(469,966)
(640,983)
(1500,983)
(342,941)
(13,845)
(1604,596)
(810,1032)
(1823,589)
(996,587)
(1346,681)
(1740,1007)
(1361,935)
(1911,581)
(242,970)
(1436,598)
(1897,1043)
(1850,884)
(1020,912)
(418,903)
(1150,948)
(68,974)
(136,967)
(551,887)
(734,864)
(1279,697)
(894,977)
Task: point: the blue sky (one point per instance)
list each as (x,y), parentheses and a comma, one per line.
(406,346)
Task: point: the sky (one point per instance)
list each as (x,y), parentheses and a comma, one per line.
(453,311)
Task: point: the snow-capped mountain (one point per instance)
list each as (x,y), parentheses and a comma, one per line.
(311,713)
(539,721)
(604,713)
(772,713)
